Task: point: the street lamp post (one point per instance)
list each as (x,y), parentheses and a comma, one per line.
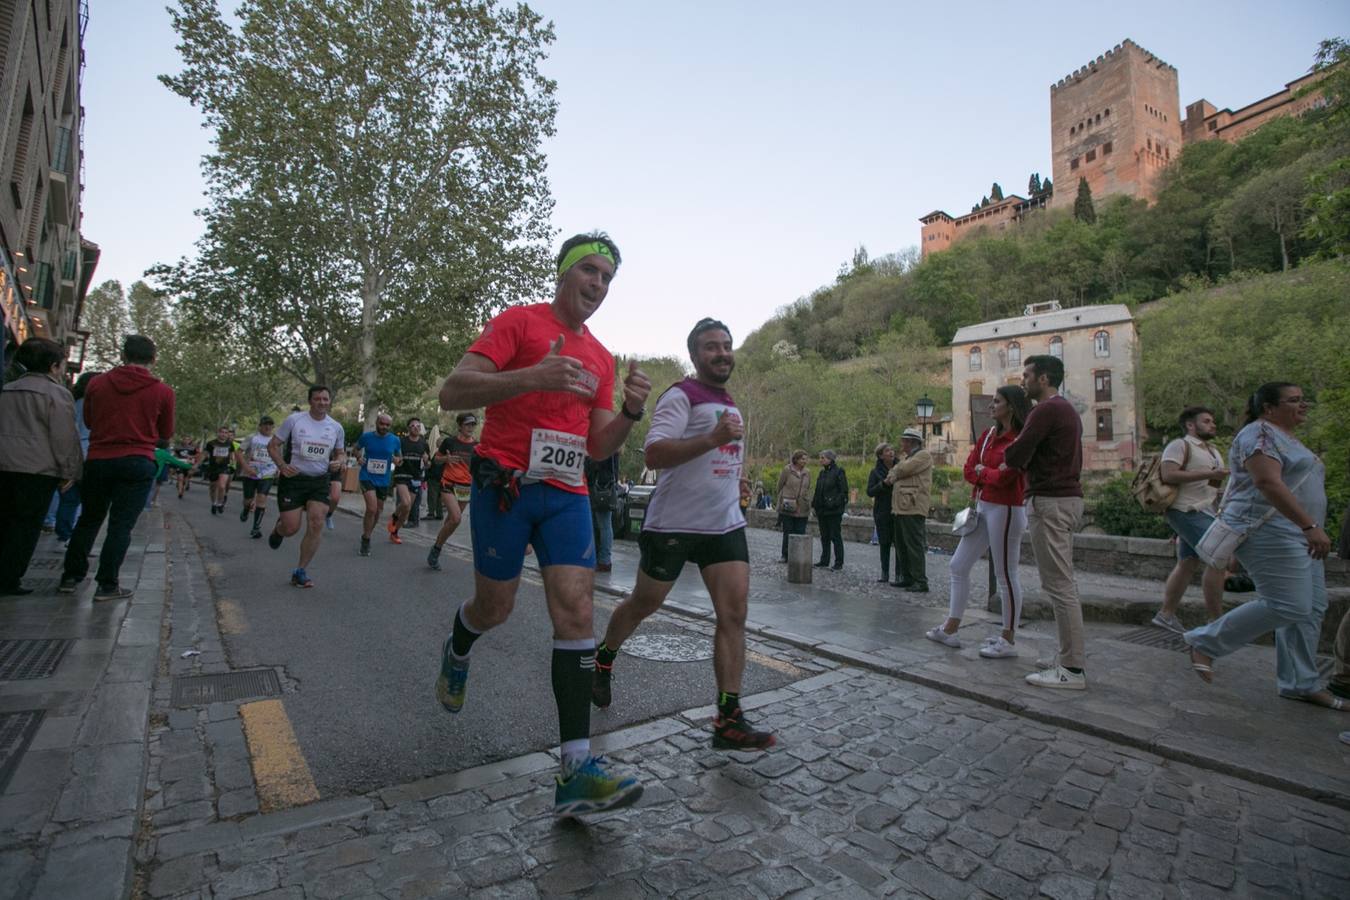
(924,410)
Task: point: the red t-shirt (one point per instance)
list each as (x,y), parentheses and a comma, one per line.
(517,339)
(1006,487)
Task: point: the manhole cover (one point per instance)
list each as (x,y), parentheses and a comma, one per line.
(669,647)
(16,730)
(21,660)
(199,690)
(1153,637)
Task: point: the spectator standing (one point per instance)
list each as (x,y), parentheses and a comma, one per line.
(39,453)
(830,502)
(1050,451)
(1192,465)
(127,410)
(68,508)
(911,480)
(602,480)
(1277,499)
(794,498)
(880,492)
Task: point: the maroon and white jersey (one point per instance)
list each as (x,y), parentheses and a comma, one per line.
(702,496)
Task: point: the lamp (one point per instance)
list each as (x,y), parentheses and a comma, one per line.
(924,410)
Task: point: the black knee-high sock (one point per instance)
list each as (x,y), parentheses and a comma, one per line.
(573,672)
(257,515)
(462,638)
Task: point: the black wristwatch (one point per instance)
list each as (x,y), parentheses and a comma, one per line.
(636,417)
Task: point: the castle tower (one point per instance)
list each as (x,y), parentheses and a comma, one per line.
(1115,122)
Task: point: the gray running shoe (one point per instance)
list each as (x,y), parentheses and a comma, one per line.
(434,557)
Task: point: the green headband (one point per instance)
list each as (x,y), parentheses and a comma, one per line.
(580,251)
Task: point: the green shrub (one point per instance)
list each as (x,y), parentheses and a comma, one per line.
(1116,512)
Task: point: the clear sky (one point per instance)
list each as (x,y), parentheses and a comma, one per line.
(736,152)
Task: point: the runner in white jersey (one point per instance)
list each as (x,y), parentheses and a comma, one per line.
(695,515)
(306,447)
(258,472)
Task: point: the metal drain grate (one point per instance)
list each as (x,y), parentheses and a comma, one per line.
(764,595)
(199,690)
(1160,638)
(16,730)
(21,660)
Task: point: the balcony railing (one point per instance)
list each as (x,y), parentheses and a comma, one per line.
(61,158)
(44,286)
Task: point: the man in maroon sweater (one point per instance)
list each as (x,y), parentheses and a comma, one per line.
(127,410)
(1050,450)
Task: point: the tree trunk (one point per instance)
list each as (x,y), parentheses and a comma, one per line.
(1284,253)
(370,367)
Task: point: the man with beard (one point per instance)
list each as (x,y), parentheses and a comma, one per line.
(695,516)
(378,454)
(1196,469)
(548,385)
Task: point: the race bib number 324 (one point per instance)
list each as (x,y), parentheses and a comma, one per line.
(557,456)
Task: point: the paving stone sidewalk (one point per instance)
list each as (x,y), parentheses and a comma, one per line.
(69,813)
(878,788)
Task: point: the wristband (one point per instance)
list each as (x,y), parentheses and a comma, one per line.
(1310,527)
(636,417)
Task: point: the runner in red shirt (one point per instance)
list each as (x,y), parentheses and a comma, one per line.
(548,386)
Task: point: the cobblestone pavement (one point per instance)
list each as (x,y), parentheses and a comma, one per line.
(878,788)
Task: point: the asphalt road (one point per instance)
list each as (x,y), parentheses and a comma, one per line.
(360,652)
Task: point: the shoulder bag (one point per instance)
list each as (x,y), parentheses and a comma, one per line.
(1220,542)
(968,519)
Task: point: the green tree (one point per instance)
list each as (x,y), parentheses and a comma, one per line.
(104,316)
(995,193)
(1083,209)
(1034,184)
(376,178)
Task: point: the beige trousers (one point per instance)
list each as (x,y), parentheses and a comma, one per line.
(1052,522)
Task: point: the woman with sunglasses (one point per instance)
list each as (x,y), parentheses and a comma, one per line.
(1277,498)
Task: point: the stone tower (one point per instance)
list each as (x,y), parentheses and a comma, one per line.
(1116,122)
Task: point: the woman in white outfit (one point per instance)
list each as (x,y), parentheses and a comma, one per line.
(998,492)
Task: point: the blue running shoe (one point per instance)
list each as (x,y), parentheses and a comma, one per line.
(300,579)
(591,789)
(451,683)
(328,522)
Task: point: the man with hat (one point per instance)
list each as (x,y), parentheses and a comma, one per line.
(911,481)
(453,456)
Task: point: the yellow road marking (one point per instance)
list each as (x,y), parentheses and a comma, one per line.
(777,665)
(231,617)
(279,769)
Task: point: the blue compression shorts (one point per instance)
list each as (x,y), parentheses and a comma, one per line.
(555,522)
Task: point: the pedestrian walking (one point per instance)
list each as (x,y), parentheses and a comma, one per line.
(1000,522)
(548,385)
(68,505)
(911,481)
(39,454)
(128,411)
(1275,505)
(830,501)
(602,478)
(1050,451)
(880,492)
(794,498)
(1192,465)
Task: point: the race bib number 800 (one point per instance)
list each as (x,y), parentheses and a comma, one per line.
(557,456)
(314,450)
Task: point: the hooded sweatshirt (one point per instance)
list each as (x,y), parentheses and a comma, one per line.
(127,410)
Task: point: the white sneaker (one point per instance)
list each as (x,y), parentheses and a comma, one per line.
(1058,677)
(1171,623)
(998,649)
(937,634)
(1044,664)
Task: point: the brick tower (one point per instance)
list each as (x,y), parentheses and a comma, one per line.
(1116,122)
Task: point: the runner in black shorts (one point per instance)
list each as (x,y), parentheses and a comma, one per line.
(695,516)
(214,459)
(414,455)
(258,471)
(306,447)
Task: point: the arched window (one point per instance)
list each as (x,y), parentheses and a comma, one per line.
(976,359)
(1014,354)
(1101,344)
(1057,347)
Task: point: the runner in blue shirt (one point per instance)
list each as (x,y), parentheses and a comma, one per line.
(379,454)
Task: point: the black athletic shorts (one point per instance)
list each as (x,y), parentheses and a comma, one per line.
(211,473)
(254,486)
(664,553)
(295,492)
(334,474)
(381,491)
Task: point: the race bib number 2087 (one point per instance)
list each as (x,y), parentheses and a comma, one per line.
(557,456)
